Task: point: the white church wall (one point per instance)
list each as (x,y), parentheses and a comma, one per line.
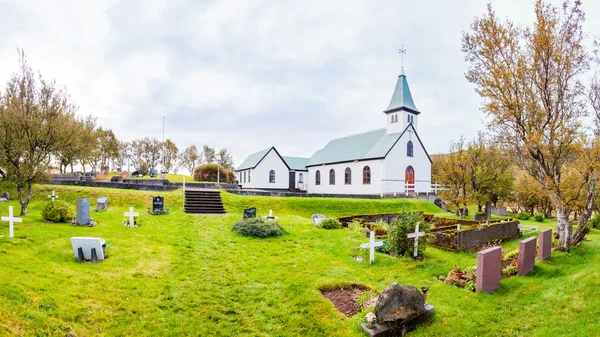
(404,120)
(397,161)
(356,186)
(260,174)
(302,184)
(391,125)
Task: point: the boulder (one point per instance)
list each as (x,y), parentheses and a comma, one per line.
(399,302)
(5,195)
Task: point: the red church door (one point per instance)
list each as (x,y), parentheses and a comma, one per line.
(409,179)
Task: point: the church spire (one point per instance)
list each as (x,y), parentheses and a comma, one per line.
(402,99)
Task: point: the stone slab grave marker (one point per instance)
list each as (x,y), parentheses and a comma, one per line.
(250,213)
(82,206)
(88,248)
(416,236)
(102,203)
(11,220)
(158,204)
(372,244)
(526,256)
(131,214)
(53,196)
(317,218)
(545,250)
(489,268)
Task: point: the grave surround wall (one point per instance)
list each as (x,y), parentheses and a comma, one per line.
(472,239)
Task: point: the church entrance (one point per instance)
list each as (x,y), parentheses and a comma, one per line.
(409,179)
(292,180)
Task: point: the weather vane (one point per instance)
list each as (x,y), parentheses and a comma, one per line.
(402,51)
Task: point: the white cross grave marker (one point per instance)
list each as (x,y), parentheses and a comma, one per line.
(53,196)
(131,214)
(416,236)
(458,227)
(372,244)
(11,220)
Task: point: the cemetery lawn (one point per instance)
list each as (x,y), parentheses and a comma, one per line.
(182,275)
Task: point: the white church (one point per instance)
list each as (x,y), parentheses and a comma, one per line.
(381,162)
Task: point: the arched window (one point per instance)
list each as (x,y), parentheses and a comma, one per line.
(272,176)
(348,176)
(331,177)
(409,149)
(366,175)
(244,177)
(301,178)
(318,177)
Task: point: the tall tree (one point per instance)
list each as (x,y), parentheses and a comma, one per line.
(170,152)
(34,116)
(209,154)
(189,158)
(225,159)
(452,172)
(530,82)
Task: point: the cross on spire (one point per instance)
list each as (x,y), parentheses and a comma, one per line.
(402,51)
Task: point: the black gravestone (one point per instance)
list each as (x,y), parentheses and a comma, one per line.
(158,204)
(250,213)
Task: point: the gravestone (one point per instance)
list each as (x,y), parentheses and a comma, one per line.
(438,202)
(11,220)
(5,195)
(158,204)
(371,245)
(250,213)
(545,250)
(488,210)
(153,173)
(83,211)
(87,248)
(102,203)
(415,236)
(500,211)
(489,268)
(526,256)
(317,218)
(116,179)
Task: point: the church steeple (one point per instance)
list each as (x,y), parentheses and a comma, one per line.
(402,99)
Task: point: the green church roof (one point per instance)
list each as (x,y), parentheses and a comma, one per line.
(296,163)
(402,99)
(253,159)
(368,145)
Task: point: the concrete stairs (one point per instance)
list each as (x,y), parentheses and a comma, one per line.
(199,201)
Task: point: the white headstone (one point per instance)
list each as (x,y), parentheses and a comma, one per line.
(53,196)
(317,218)
(86,244)
(131,214)
(372,244)
(11,220)
(416,236)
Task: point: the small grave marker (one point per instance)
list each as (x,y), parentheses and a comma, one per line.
(317,218)
(82,207)
(158,204)
(250,213)
(131,214)
(526,256)
(102,203)
(416,236)
(372,244)
(11,220)
(86,248)
(53,196)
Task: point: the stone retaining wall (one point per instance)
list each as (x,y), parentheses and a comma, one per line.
(474,238)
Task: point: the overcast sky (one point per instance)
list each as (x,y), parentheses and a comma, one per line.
(246,75)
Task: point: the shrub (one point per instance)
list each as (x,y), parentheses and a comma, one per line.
(57,211)
(596,221)
(522,216)
(510,270)
(539,217)
(330,223)
(513,254)
(400,227)
(258,227)
(143,169)
(209,172)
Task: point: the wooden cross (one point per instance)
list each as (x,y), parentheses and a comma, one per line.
(416,236)
(372,244)
(11,220)
(53,196)
(131,214)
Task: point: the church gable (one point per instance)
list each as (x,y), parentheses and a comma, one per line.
(416,142)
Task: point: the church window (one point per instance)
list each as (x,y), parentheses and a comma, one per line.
(318,177)
(348,176)
(249,176)
(409,149)
(331,177)
(301,178)
(411,118)
(244,174)
(396,118)
(367,175)
(272,176)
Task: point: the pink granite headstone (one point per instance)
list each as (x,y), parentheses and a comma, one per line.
(489,263)
(545,250)
(526,256)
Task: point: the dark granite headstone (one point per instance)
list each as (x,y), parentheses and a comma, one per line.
(489,268)
(158,204)
(526,256)
(250,213)
(5,195)
(83,211)
(116,179)
(153,173)
(545,250)
(488,210)
(102,203)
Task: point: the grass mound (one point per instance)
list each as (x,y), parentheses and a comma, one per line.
(330,223)
(259,227)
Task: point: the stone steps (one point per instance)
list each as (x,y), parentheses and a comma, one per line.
(203,202)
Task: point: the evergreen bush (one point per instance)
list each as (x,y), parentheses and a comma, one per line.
(57,211)
(539,217)
(330,223)
(596,221)
(522,216)
(400,227)
(209,172)
(258,227)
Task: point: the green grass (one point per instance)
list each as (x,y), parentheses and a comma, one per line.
(181,275)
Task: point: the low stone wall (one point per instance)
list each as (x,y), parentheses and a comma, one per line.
(474,238)
(387,217)
(114,185)
(282,193)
